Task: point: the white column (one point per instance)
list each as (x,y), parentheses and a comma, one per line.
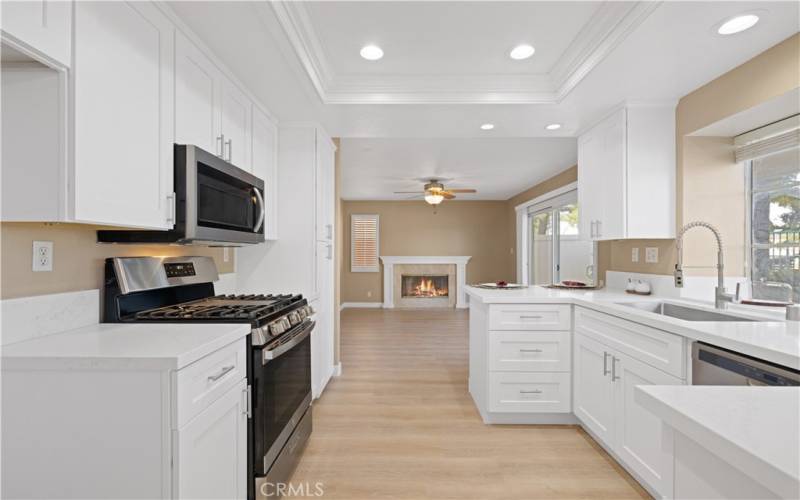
(461,283)
(388,284)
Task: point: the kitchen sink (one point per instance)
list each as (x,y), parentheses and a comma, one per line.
(686,313)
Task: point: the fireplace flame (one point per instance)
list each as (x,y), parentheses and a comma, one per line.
(427,288)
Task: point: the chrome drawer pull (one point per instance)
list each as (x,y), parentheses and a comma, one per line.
(605,363)
(614,369)
(222,373)
(537,391)
(530,350)
(530,317)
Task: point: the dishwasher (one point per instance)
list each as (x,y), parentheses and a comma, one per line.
(712,365)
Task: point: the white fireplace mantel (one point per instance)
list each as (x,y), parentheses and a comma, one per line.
(460,262)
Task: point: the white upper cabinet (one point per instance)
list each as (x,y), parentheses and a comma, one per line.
(123,114)
(264,162)
(325,192)
(236,111)
(626,174)
(196,97)
(42,27)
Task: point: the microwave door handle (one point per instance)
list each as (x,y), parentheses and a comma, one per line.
(261,210)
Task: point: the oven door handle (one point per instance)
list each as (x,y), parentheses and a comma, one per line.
(270,354)
(262,211)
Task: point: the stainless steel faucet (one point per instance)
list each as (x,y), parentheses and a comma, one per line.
(721,297)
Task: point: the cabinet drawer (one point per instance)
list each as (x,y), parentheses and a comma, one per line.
(657,348)
(529,392)
(529,351)
(529,317)
(204,381)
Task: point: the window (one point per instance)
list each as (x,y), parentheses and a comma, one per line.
(774,216)
(556,251)
(364,237)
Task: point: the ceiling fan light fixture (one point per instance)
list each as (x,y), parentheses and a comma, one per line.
(433,198)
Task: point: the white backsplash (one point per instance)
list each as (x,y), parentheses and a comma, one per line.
(31,317)
(694,287)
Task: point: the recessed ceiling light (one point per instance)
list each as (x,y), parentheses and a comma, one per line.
(371,52)
(487,126)
(553,126)
(737,24)
(523,51)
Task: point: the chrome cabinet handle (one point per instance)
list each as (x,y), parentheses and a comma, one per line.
(329,255)
(530,350)
(537,391)
(614,369)
(329,229)
(605,363)
(591,229)
(222,373)
(229,143)
(248,401)
(599,227)
(221,145)
(171,208)
(261,210)
(530,317)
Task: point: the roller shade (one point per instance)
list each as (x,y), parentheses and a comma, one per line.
(768,140)
(364,240)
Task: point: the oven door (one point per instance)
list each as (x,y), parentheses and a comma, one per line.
(281,393)
(222,202)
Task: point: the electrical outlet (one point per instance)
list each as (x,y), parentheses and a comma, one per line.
(369,293)
(226,256)
(635,254)
(42,256)
(651,255)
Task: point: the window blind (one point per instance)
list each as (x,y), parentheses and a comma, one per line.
(768,140)
(364,238)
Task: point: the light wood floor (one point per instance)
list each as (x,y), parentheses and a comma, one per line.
(400,424)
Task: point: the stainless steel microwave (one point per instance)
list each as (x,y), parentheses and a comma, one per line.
(216,203)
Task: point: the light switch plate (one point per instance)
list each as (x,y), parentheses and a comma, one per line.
(635,254)
(651,255)
(226,254)
(42,256)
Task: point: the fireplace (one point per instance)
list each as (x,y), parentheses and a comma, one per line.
(424,286)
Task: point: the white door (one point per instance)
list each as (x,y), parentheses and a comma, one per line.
(593,391)
(325,188)
(210,458)
(613,222)
(123,114)
(590,182)
(236,113)
(43,25)
(638,431)
(197,94)
(322,344)
(265,166)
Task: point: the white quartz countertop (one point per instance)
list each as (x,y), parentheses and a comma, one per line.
(755,429)
(776,340)
(123,346)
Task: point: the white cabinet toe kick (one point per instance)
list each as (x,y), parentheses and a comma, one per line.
(565,364)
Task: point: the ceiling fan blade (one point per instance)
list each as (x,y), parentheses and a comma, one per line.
(416,196)
(447,195)
(407,192)
(463,190)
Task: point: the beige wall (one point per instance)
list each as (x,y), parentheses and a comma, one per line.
(476,228)
(77,258)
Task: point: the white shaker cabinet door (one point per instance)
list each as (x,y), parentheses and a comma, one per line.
(264,158)
(614,163)
(211,450)
(236,125)
(593,392)
(197,95)
(41,25)
(639,432)
(123,114)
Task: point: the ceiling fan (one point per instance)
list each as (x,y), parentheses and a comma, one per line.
(434,192)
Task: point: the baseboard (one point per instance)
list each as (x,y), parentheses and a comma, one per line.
(361,305)
(337,370)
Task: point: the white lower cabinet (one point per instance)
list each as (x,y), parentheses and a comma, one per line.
(210,451)
(521,392)
(605,379)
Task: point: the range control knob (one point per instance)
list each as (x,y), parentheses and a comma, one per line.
(276,327)
(294,318)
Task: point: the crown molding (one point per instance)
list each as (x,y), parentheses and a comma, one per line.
(609,26)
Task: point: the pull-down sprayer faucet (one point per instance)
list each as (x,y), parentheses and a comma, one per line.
(721,297)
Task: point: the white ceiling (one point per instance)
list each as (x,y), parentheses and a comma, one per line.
(499,168)
(446,70)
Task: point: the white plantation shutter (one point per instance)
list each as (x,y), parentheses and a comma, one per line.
(767,140)
(364,243)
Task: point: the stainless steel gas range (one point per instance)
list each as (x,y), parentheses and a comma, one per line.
(181,289)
